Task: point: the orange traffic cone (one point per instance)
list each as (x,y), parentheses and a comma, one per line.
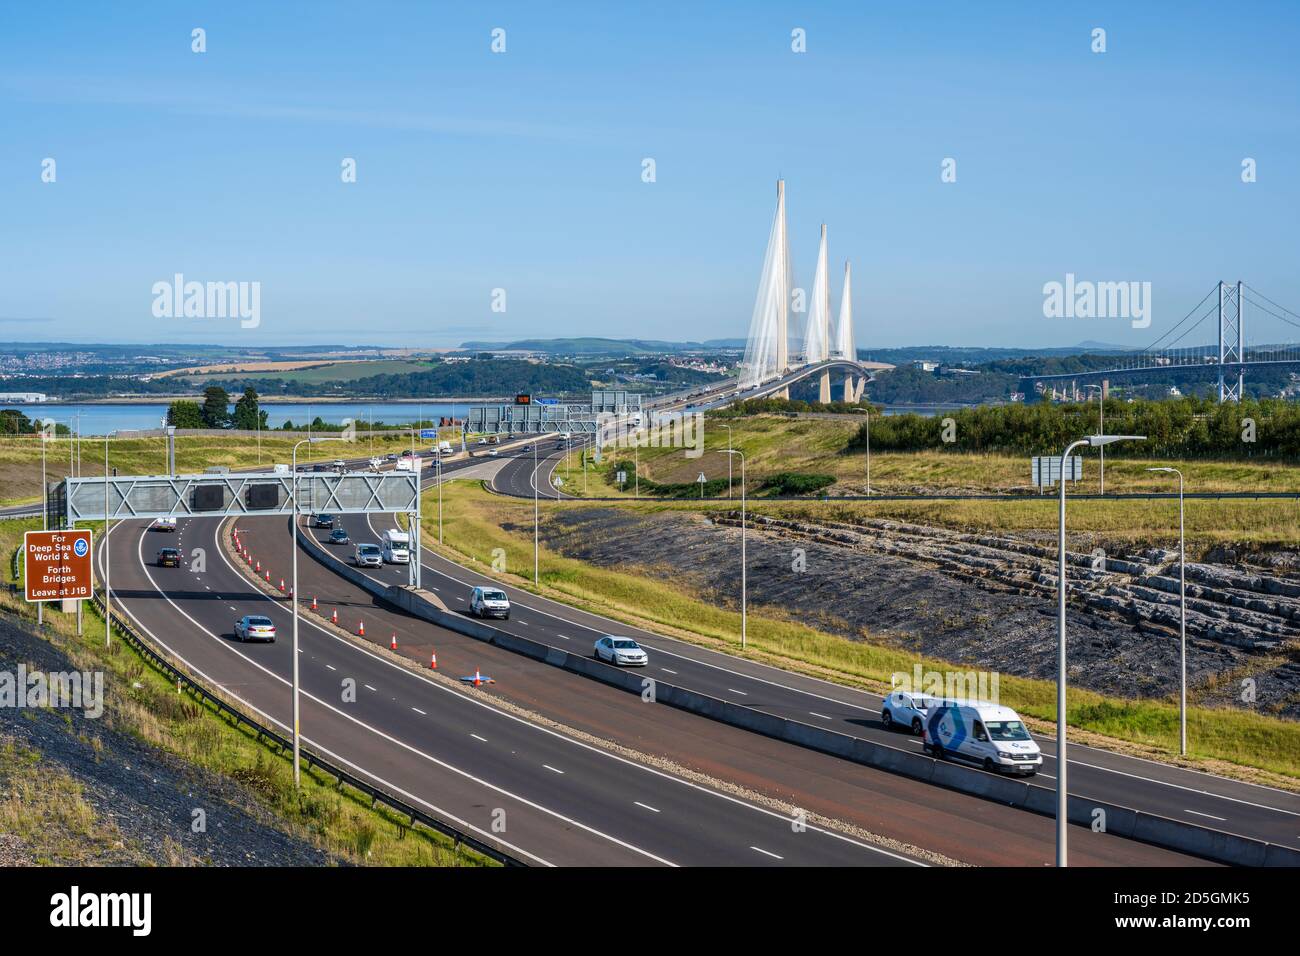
(393,646)
(334,616)
(258,567)
(268,575)
(478,678)
(314,606)
(361,628)
(433,661)
(282,584)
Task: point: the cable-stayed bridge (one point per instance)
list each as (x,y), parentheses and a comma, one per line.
(1225,358)
(792,338)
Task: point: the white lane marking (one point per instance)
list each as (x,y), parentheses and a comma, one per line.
(394,788)
(1199,814)
(645,805)
(740,692)
(368,687)
(815,714)
(331,667)
(767,853)
(552,769)
(233,608)
(667,671)
(477,737)
(419,711)
(563,637)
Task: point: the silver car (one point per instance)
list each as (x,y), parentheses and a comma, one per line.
(367,556)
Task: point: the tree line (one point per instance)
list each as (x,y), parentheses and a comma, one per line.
(1188,427)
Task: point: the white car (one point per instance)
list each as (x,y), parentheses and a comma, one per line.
(621,651)
(163,524)
(906,709)
(489,602)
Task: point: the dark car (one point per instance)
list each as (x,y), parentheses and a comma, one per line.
(169,558)
(324,521)
(338,536)
(317,468)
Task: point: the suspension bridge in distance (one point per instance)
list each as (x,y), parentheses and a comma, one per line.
(1226,360)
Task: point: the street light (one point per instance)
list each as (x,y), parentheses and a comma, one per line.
(728,428)
(1182,615)
(108,554)
(537,578)
(1062,793)
(293,545)
(869,451)
(1101,430)
(744,584)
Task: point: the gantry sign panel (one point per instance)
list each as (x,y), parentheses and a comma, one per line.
(162,496)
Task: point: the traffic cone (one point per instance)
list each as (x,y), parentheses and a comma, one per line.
(258,566)
(314,606)
(268,575)
(478,678)
(282,584)
(433,661)
(393,646)
(334,616)
(361,628)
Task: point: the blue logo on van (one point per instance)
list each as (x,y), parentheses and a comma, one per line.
(79,547)
(958,726)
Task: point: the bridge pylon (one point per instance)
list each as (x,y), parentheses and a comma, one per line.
(1232,342)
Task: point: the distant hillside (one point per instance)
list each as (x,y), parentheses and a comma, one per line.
(599,346)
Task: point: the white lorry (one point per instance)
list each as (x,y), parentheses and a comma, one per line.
(990,735)
(395,547)
(444,448)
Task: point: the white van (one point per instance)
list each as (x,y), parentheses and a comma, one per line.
(444,448)
(395,547)
(990,735)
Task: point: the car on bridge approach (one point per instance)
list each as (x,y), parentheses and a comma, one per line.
(368,556)
(339,536)
(489,602)
(169,558)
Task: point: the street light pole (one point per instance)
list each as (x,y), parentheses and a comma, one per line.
(1182,616)
(869,452)
(1062,790)
(108,557)
(1101,430)
(744,582)
(537,578)
(728,428)
(293,544)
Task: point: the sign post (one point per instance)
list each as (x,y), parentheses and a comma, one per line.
(57,565)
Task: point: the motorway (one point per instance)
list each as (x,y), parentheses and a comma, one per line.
(451,751)
(908,811)
(1190,795)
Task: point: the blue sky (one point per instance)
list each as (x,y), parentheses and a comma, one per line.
(522,170)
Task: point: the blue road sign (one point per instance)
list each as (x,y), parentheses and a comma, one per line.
(428,433)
